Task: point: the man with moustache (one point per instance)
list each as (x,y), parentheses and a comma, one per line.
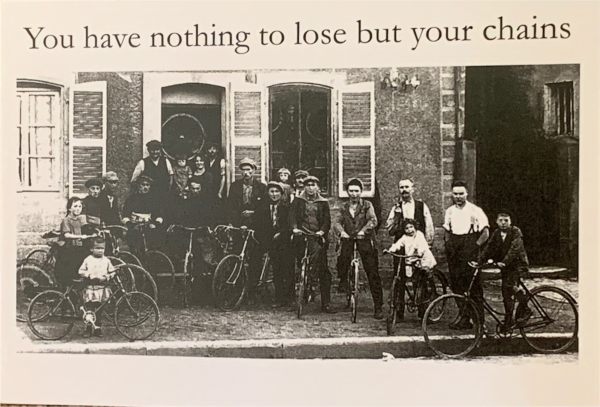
(245,194)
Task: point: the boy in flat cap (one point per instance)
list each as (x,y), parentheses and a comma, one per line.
(272,226)
(245,194)
(310,212)
(95,206)
(357,220)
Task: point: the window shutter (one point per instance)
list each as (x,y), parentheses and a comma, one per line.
(249,128)
(87,135)
(356,152)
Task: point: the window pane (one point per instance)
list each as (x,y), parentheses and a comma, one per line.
(41,141)
(41,172)
(42,107)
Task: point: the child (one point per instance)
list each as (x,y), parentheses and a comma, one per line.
(182,172)
(506,248)
(413,242)
(284,177)
(72,252)
(96,269)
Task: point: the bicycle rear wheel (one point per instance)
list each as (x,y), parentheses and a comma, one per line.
(159,264)
(136,316)
(396,291)
(441,337)
(39,257)
(428,290)
(354,293)
(229,283)
(51,316)
(129,258)
(141,279)
(31,280)
(301,288)
(553,324)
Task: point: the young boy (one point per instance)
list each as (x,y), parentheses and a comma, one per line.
(284,176)
(506,248)
(413,242)
(182,172)
(95,269)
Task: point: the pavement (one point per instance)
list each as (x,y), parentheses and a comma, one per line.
(262,332)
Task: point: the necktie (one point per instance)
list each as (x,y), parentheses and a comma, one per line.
(274,215)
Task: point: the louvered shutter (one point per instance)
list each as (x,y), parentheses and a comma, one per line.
(356,153)
(249,130)
(87,135)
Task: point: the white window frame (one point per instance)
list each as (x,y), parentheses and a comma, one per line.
(26,93)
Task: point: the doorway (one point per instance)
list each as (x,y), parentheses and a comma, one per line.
(300,130)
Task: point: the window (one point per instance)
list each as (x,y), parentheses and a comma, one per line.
(559,113)
(38,132)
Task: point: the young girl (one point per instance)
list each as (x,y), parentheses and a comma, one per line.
(182,172)
(73,252)
(96,269)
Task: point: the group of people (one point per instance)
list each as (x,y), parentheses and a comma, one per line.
(281,213)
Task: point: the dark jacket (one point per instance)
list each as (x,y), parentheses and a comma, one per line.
(298,213)
(95,208)
(511,251)
(191,211)
(364,219)
(235,201)
(263,224)
(142,203)
(113,214)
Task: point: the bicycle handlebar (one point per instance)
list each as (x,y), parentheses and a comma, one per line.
(403,256)
(189,229)
(476,265)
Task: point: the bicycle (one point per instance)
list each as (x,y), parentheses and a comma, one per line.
(423,289)
(231,281)
(552,309)
(52,314)
(188,261)
(353,282)
(304,292)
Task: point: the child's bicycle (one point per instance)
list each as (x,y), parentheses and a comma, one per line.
(547,320)
(52,314)
(304,290)
(231,282)
(186,275)
(422,290)
(353,280)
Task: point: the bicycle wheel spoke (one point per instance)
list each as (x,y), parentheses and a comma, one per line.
(553,324)
(136,316)
(229,283)
(452,334)
(31,280)
(50,316)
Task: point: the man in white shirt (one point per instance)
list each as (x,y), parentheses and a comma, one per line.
(466,230)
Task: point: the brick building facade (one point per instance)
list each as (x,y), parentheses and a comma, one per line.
(338,123)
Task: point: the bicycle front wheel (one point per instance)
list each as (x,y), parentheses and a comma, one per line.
(354,293)
(229,282)
(129,258)
(51,316)
(31,280)
(301,287)
(136,316)
(394,299)
(159,264)
(428,290)
(141,278)
(452,335)
(553,324)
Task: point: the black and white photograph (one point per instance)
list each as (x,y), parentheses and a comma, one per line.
(358,213)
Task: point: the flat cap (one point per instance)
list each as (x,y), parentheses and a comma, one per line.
(301,174)
(274,184)
(311,178)
(247,161)
(93,182)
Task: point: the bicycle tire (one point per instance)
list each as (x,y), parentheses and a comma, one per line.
(229,283)
(142,280)
(188,266)
(31,280)
(446,342)
(560,330)
(435,290)
(392,311)
(354,294)
(159,264)
(37,256)
(131,311)
(46,310)
(301,288)
(129,258)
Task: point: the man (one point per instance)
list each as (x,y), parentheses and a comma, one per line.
(408,208)
(113,215)
(299,177)
(272,225)
(192,209)
(158,168)
(310,212)
(358,221)
(466,230)
(245,194)
(142,207)
(216,167)
(95,206)
(506,248)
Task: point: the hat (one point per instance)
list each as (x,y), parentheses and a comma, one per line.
(284,170)
(153,145)
(110,176)
(505,212)
(459,183)
(354,181)
(311,178)
(301,174)
(93,182)
(273,184)
(247,161)
(145,178)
